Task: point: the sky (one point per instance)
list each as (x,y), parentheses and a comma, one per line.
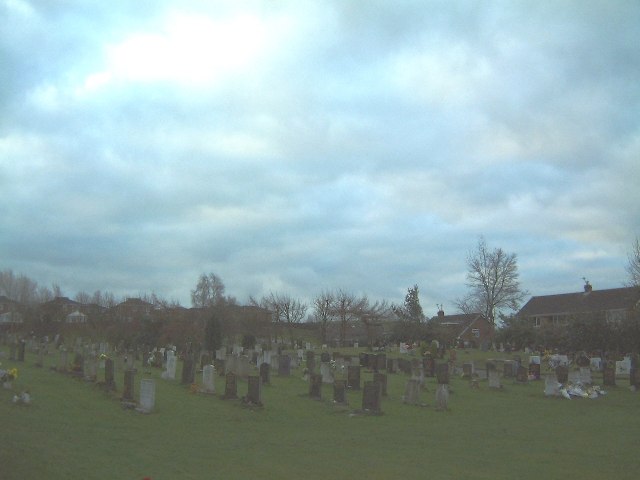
(301,146)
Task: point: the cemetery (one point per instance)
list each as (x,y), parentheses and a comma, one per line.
(88,412)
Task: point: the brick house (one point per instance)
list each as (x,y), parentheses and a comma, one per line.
(469,329)
(614,305)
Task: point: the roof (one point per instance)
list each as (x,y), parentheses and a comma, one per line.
(582,302)
(458,319)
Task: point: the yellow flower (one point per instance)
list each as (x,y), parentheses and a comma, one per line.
(14,373)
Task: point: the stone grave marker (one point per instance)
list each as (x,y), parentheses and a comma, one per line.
(609,376)
(442,396)
(208,380)
(12,351)
(429,366)
(311,361)
(412,392)
(353,377)
(205,359)
(21,348)
(494,379)
(551,386)
(442,373)
(573,377)
(221,354)
(623,367)
(522,375)
(381,379)
(64,361)
(147,395)
(242,366)
(220,366)
(467,370)
(40,357)
(392,365)
(188,371)
(109,374)
(284,367)
(325,357)
(275,362)
(170,372)
(595,363)
(363,358)
(127,392)
(509,369)
(265,373)
(340,392)
(326,372)
(371,397)
(585,375)
(254,390)
(315,386)
(230,386)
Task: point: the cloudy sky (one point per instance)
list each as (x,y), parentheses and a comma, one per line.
(295,146)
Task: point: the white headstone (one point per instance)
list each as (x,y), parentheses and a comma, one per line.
(623,367)
(535,359)
(147,395)
(326,372)
(585,375)
(494,379)
(596,364)
(170,372)
(551,386)
(208,375)
(308,346)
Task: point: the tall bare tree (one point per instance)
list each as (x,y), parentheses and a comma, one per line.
(209,291)
(633,267)
(492,278)
(347,307)
(323,312)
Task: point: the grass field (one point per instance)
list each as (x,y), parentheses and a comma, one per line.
(74,430)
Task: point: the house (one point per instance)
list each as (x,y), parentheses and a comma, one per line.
(9,311)
(132,309)
(614,305)
(58,309)
(468,329)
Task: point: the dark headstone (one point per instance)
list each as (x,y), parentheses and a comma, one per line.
(353,377)
(412,392)
(442,373)
(12,351)
(392,365)
(404,365)
(254,393)
(315,386)
(188,371)
(467,370)
(284,366)
(325,357)
(371,397)
(109,374)
(562,374)
(127,393)
(311,361)
(219,366)
(382,361)
(265,373)
(364,358)
(77,368)
(340,391)
(609,376)
(381,379)
(490,365)
(205,359)
(508,369)
(230,386)
(633,372)
(429,366)
(21,348)
(522,376)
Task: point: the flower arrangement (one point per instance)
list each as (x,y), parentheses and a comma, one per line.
(8,376)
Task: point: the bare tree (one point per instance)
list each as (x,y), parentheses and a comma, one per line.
(323,312)
(347,307)
(285,311)
(19,288)
(372,315)
(633,267)
(83,298)
(492,278)
(209,291)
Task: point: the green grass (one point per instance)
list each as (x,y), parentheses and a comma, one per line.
(73,430)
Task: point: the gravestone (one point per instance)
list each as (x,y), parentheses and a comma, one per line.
(623,367)
(363,359)
(411,392)
(417,371)
(40,357)
(522,375)
(315,386)
(220,367)
(265,373)
(596,364)
(442,373)
(230,386)
(467,370)
(91,368)
(371,397)
(221,354)
(77,369)
(585,376)
(21,348)
(64,361)
(311,361)
(429,366)
(127,392)
(254,390)
(12,351)
(381,360)
(353,377)
(284,367)
(534,370)
(609,376)
(274,361)
(381,379)
(562,374)
(208,382)
(509,369)
(170,372)
(340,391)
(147,395)
(392,365)
(442,396)
(188,371)
(573,377)
(404,365)
(326,372)
(242,366)
(325,357)
(633,371)
(551,386)
(205,359)
(109,374)
(494,379)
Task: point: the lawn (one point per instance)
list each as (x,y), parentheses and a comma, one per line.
(74,430)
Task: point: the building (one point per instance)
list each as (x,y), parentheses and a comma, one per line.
(614,305)
(9,311)
(468,329)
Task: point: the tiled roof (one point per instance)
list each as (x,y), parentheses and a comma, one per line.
(581,302)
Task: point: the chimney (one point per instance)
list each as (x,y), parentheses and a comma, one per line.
(587,286)
(440,311)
